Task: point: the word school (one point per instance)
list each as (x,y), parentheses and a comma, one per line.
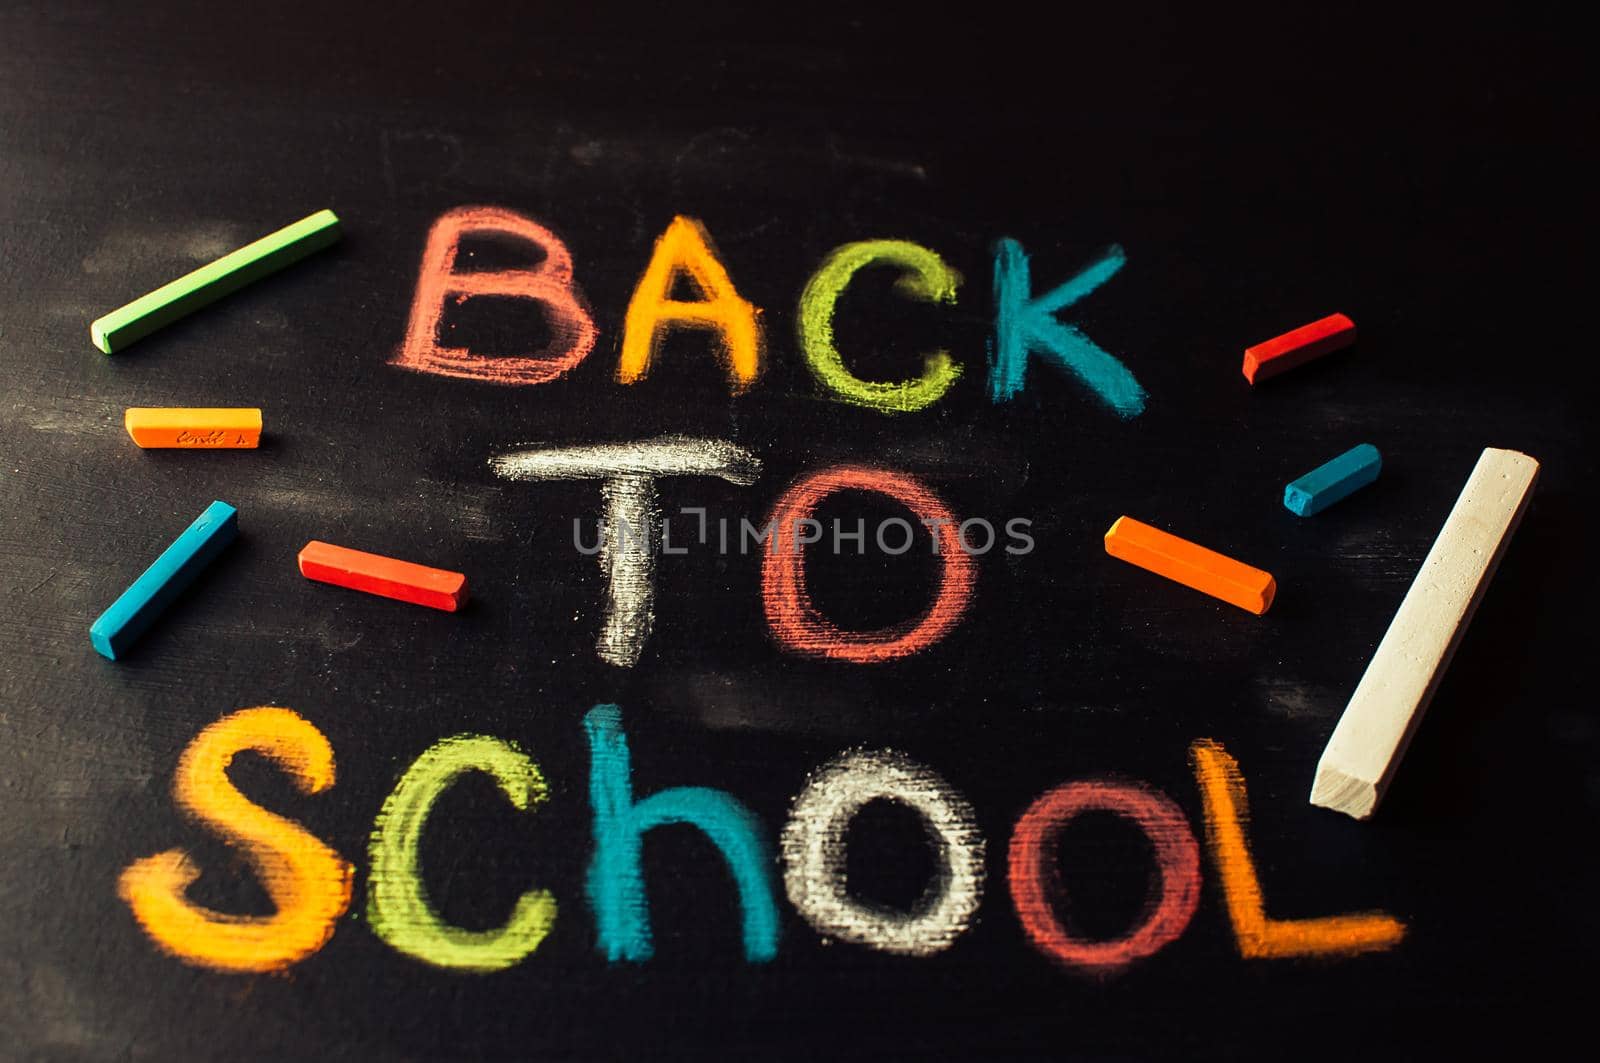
(310,884)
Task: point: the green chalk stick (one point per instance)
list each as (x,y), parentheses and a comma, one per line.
(210,282)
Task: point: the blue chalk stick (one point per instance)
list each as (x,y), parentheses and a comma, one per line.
(1338,479)
(132,614)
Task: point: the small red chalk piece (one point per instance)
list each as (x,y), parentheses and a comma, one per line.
(375,574)
(1296,348)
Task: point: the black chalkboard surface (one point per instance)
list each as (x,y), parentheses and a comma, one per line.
(1430,178)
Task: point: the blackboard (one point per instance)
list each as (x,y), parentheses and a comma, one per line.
(1428,177)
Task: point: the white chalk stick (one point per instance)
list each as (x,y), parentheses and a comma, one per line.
(1366,747)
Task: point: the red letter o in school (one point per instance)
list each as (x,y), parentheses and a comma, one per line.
(1034,879)
(795,621)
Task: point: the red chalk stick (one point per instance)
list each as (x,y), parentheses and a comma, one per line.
(375,574)
(1305,343)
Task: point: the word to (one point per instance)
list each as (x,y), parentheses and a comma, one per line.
(628,473)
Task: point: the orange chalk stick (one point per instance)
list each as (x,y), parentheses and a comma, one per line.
(198,429)
(1193,566)
(1297,347)
(375,574)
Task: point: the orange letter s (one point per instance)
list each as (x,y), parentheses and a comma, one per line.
(307,881)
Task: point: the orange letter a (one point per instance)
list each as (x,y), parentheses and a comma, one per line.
(1222,794)
(572,331)
(685,246)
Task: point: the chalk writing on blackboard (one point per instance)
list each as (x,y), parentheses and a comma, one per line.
(628,474)
(1035,887)
(310,885)
(550,284)
(398,910)
(925,276)
(685,248)
(796,622)
(1025,325)
(308,882)
(814,854)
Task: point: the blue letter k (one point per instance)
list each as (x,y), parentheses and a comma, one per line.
(1025,325)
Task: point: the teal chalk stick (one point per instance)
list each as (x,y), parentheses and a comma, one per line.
(211,282)
(1334,481)
(132,614)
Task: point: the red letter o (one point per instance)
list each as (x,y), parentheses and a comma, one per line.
(1034,880)
(795,621)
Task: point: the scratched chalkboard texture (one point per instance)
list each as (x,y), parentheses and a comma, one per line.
(1430,178)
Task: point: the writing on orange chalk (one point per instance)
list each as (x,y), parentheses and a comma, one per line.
(310,884)
(152,427)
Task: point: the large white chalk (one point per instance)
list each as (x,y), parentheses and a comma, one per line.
(1389,702)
